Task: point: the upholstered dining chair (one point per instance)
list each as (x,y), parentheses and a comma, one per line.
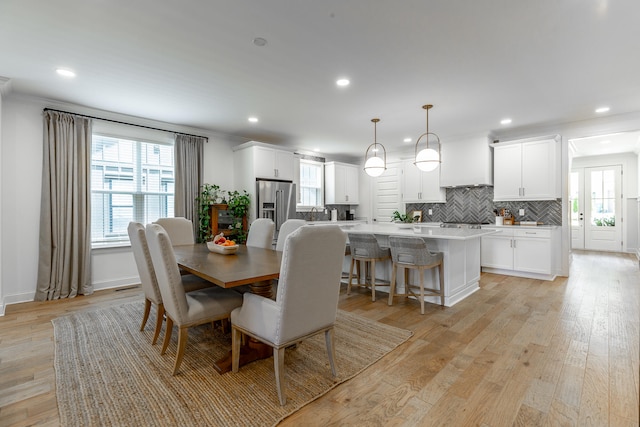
(365,249)
(307,300)
(184,309)
(148,277)
(179,229)
(288,227)
(261,233)
(412,253)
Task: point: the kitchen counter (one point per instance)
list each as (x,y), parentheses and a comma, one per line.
(460,248)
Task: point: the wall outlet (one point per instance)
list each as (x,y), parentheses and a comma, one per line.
(430,211)
(521,212)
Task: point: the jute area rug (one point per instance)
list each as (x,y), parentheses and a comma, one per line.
(108,373)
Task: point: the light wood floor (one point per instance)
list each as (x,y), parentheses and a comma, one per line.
(517,352)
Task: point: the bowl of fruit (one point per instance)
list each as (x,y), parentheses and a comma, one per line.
(222,245)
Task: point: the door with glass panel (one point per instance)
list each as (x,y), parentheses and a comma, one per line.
(603,216)
(576,191)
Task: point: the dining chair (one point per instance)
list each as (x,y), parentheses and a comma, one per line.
(307,300)
(365,249)
(184,309)
(288,227)
(261,233)
(179,229)
(412,253)
(148,279)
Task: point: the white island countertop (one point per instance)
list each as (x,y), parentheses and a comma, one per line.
(428,232)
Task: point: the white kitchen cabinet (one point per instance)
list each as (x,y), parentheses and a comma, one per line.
(419,186)
(466,162)
(524,252)
(341,184)
(271,163)
(527,170)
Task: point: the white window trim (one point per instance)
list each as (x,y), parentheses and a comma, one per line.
(309,208)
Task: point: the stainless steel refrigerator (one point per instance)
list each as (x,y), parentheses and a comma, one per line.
(275,200)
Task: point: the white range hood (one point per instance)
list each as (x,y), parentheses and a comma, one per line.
(466,162)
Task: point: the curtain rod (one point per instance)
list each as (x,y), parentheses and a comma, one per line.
(125,123)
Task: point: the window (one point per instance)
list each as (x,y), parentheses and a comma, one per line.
(311,184)
(130,181)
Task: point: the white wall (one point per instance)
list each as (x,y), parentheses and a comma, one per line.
(20,182)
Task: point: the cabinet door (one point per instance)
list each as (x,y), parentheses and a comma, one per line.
(507,173)
(431,191)
(532,255)
(264,162)
(284,165)
(411,182)
(496,252)
(538,170)
(351,184)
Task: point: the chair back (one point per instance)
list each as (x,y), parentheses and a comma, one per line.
(288,227)
(143,262)
(309,283)
(365,246)
(179,229)
(411,250)
(167,273)
(261,233)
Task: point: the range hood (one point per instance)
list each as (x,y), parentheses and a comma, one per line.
(466,162)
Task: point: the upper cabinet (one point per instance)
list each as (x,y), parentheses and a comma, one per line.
(270,163)
(419,186)
(466,162)
(527,169)
(341,183)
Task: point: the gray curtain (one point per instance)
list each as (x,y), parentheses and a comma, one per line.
(188,171)
(64,266)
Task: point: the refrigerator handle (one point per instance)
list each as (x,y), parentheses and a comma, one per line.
(277,209)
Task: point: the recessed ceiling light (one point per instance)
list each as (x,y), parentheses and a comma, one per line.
(505,121)
(343,82)
(407,140)
(253,119)
(260,42)
(602,109)
(606,141)
(65,72)
(316,150)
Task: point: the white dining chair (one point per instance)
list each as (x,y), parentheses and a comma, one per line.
(179,229)
(184,309)
(288,227)
(261,233)
(148,279)
(307,300)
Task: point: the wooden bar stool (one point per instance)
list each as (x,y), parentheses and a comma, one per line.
(413,253)
(365,248)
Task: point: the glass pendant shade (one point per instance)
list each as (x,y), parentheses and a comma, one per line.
(375,164)
(427,159)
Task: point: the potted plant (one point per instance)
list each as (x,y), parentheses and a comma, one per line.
(398,217)
(209,195)
(238,206)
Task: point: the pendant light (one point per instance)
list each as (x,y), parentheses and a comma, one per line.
(427,159)
(377,163)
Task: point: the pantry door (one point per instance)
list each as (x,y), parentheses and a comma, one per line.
(603,215)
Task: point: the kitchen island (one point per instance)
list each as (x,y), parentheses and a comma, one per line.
(460,247)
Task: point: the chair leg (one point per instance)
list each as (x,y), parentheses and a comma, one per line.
(183,335)
(328,337)
(167,335)
(353,261)
(392,288)
(441,274)
(422,291)
(278,364)
(406,283)
(236,339)
(147,310)
(159,320)
(373,280)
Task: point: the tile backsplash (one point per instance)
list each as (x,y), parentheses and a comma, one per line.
(476,205)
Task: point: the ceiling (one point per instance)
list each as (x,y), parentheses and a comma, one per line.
(194,63)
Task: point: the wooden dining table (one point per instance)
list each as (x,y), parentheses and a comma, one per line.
(252,266)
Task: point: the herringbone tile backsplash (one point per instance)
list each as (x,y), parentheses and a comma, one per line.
(476,205)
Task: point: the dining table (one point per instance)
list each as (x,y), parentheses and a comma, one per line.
(253,266)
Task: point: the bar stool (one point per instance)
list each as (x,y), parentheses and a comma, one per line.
(413,253)
(365,248)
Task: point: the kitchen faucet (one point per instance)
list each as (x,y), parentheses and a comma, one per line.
(313,209)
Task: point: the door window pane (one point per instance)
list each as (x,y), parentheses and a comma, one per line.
(603,202)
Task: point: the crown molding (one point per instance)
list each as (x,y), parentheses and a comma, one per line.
(5,85)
